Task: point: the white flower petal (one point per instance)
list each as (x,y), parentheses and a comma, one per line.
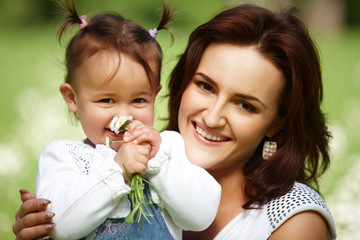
(117,123)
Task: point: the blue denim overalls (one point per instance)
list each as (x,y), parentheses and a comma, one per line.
(116,228)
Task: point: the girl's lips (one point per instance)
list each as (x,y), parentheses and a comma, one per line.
(206,134)
(119,136)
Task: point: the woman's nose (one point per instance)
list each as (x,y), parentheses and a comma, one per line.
(214,115)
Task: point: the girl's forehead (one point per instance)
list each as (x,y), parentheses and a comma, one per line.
(110,68)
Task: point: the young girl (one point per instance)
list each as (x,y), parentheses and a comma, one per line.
(113,69)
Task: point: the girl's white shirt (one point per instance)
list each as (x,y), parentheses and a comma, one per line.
(86,186)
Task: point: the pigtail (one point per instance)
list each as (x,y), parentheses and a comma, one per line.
(167,16)
(71,16)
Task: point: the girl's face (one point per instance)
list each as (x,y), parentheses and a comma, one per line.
(229,106)
(106,85)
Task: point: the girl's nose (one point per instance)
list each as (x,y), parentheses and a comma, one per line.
(122,112)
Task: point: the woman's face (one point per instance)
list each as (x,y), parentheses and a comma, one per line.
(229,106)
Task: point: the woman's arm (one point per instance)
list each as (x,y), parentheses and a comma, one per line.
(32,221)
(305,225)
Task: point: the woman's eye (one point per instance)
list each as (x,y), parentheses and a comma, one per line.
(246,106)
(107,100)
(205,86)
(139,100)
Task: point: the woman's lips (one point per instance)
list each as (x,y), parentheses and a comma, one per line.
(209,135)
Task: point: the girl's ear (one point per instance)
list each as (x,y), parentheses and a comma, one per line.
(68,94)
(158,89)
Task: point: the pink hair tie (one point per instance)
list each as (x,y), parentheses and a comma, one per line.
(153,32)
(83,23)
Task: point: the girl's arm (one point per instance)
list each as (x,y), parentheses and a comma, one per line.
(81,202)
(190,194)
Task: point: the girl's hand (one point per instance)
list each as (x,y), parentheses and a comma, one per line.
(32,221)
(133,158)
(140,133)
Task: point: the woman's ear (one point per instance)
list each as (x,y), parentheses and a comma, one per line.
(68,94)
(275,127)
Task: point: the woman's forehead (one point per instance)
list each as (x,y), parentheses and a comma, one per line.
(241,70)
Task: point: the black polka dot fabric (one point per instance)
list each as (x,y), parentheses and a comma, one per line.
(300,198)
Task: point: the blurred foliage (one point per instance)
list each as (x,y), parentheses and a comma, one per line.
(37,12)
(352,12)
(24,12)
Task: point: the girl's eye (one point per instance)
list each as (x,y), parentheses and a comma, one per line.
(246,106)
(107,100)
(139,100)
(205,86)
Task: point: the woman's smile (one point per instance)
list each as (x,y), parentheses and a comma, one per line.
(208,134)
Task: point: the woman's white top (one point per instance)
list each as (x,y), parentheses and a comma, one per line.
(258,224)
(86,186)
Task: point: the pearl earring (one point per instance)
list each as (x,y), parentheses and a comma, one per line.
(269,149)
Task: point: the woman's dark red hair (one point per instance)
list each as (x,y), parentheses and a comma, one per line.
(303,140)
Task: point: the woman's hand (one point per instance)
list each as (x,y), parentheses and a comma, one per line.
(32,219)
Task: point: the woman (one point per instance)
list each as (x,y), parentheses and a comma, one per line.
(246,96)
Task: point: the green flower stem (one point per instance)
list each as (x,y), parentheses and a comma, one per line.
(138,201)
(115,141)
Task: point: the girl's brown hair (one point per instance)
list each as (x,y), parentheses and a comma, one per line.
(110,31)
(303,140)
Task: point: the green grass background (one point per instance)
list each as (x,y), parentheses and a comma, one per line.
(33,113)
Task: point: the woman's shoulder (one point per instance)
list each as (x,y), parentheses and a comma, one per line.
(301,198)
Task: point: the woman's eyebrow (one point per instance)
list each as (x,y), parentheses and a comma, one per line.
(240,95)
(249,97)
(206,77)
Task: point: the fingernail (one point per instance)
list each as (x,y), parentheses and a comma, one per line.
(126,136)
(46,238)
(49,226)
(49,214)
(23,191)
(45,202)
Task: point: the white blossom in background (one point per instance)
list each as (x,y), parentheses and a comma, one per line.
(12,159)
(344,198)
(344,203)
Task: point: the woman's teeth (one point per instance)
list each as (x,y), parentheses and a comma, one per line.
(208,135)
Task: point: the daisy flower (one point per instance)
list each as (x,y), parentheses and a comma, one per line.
(120,124)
